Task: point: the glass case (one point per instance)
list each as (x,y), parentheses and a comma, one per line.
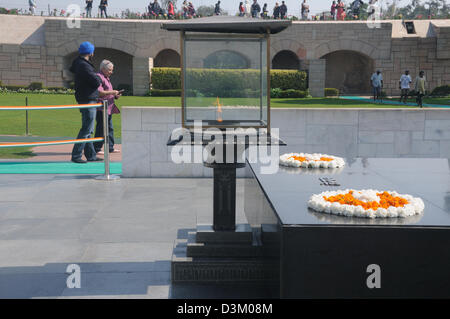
(225,80)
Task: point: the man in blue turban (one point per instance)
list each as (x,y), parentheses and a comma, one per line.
(86,92)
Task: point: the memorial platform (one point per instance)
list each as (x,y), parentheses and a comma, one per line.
(328,256)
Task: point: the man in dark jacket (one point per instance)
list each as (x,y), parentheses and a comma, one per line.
(283,10)
(87,83)
(255,9)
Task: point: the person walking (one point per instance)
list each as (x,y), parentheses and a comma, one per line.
(276,11)
(265,12)
(305,10)
(283,10)
(217,10)
(404,83)
(255,9)
(89,8)
(170,10)
(377,84)
(32,5)
(333,10)
(340,10)
(241,9)
(103,6)
(106,93)
(86,92)
(420,87)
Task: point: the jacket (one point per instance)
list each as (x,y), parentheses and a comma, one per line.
(86,81)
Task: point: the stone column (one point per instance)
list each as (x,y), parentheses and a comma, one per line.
(317,74)
(141,75)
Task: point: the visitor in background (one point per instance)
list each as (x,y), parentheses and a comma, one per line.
(185,8)
(191,10)
(265,11)
(217,9)
(103,5)
(377,84)
(420,87)
(32,5)
(241,9)
(276,11)
(305,10)
(89,8)
(340,10)
(333,10)
(356,5)
(155,9)
(405,81)
(106,93)
(170,10)
(283,10)
(255,9)
(86,92)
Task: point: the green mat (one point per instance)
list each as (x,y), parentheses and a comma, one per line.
(57,168)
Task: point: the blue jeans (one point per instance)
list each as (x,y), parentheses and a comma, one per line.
(87,129)
(99,132)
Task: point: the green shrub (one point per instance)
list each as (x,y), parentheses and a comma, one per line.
(166,78)
(288,79)
(442,90)
(156,92)
(331,92)
(15,87)
(35,86)
(288,94)
(224,82)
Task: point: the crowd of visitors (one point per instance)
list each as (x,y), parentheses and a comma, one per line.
(376,81)
(338,10)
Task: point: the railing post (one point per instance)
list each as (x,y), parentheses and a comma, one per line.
(107,175)
(106,138)
(27,132)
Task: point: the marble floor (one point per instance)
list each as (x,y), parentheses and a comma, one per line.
(120,233)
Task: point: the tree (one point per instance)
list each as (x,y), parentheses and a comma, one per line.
(205,11)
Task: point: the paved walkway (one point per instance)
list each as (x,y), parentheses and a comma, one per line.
(62,153)
(393,102)
(120,233)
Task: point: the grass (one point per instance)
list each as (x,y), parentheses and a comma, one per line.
(66,123)
(16,153)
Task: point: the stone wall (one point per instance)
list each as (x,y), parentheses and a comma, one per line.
(34,48)
(349,133)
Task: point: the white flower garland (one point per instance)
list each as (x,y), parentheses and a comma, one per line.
(318,203)
(312,160)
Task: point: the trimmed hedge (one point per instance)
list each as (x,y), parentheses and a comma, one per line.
(331,92)
(442,90)
(286,94)
(214,82)
(156,92)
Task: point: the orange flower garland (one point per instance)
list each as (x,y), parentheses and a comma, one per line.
(302,159)
(386,201)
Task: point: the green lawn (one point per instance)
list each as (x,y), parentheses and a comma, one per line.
(16,153)
(66,123)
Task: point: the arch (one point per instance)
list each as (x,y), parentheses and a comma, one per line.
(167,58)
(347,45)
(348,71)
(226,59)
(287,45)
(123,66)
(287,60)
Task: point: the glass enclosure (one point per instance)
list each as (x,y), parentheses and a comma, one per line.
(225,80)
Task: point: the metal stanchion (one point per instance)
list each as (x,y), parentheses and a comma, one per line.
(107,175)
(27,132)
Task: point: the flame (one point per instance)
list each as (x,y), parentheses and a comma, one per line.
(219,110)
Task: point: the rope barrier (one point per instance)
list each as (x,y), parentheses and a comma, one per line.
(47,143)
(104,139)
(51,107)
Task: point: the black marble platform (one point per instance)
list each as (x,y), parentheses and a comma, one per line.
(327,256)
